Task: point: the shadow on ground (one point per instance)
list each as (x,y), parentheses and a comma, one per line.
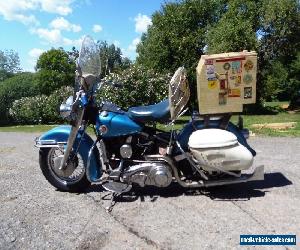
(243,191)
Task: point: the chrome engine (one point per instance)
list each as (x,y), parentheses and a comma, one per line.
(148,173)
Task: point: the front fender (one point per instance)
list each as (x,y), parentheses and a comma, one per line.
(58,136)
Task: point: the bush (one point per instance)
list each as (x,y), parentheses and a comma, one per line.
(39,109)
(140,86)
(20,85)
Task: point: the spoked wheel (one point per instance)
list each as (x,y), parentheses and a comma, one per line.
(72,179)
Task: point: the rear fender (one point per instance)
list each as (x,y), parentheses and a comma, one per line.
(58,137)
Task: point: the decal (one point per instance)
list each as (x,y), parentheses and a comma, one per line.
(226,66)
(210,72)
(222,84)
(248,65)
(248,78)
(209,62)
(236,67)
(212,84)
(247,92)
(234,93)
(103,129)
(222,99)
(238,80)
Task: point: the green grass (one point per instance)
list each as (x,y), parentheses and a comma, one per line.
(27,128)
(248,121)
(278,118)
(276,104)
(258,119)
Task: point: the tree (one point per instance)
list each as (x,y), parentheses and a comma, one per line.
(177,37)
(14,88)
(111,58)
(236,29)
(9,64)
(183,31)
(55,68)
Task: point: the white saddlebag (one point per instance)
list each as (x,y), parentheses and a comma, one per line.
(219,149)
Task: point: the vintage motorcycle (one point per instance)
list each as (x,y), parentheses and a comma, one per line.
(129,150)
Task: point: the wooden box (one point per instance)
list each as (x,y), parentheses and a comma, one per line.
(226,81)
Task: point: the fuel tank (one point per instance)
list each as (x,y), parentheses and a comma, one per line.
(112,124)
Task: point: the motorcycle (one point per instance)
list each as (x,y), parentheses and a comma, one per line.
(129,150)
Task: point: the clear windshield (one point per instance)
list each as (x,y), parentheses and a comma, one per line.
(89,58)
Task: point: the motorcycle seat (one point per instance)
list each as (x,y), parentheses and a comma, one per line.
(159,112)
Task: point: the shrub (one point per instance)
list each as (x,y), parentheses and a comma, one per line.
(40,108)
(139,86)
(16,87)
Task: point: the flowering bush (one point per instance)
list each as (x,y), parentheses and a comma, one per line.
(139,86)
(40,108)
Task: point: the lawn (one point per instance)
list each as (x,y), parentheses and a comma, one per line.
(248,121)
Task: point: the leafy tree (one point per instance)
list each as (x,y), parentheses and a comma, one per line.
(177,37)
(111,58)
(279,30)
(55,68)
(183,31)
(14,88)
(236,29)
(9,64)
(293,88)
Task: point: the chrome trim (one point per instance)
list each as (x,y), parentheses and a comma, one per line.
(48,143)
(257,175)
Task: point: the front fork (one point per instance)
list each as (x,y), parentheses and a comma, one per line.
(73,134)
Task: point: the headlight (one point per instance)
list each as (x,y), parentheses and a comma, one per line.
(66,108)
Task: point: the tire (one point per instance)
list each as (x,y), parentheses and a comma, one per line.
(77,183)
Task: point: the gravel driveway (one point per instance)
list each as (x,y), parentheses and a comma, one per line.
(33,215)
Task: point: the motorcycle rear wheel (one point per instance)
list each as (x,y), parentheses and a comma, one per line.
(76,182)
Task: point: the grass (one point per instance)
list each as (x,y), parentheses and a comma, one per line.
(248,121)
(27,128)
(259,119)
(277,104)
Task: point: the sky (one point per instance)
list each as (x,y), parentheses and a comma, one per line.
(31,27)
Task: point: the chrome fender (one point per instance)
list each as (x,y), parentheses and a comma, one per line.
(58,137)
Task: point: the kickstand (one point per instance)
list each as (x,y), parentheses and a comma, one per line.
(114,195)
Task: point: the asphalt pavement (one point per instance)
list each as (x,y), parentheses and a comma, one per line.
(34,215)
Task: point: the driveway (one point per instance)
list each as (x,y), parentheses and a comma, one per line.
(33,215)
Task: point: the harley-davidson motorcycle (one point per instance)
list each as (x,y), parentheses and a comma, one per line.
(129,150)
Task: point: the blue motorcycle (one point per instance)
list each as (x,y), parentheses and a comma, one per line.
(128,149)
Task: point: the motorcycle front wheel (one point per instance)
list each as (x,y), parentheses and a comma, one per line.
(73,179)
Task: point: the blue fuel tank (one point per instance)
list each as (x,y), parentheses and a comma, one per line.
(116,124)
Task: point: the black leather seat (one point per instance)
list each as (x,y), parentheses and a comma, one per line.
(157,112)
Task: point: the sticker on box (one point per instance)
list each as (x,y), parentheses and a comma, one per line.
(248,65)
(210,72)
(234,93)
(236,67)
(247,92)
(248,78)
(212,84)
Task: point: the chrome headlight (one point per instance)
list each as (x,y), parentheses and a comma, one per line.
(66,108)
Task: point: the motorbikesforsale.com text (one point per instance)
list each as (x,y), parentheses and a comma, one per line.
(267,239)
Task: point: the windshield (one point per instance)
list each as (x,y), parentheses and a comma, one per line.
(89,58)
